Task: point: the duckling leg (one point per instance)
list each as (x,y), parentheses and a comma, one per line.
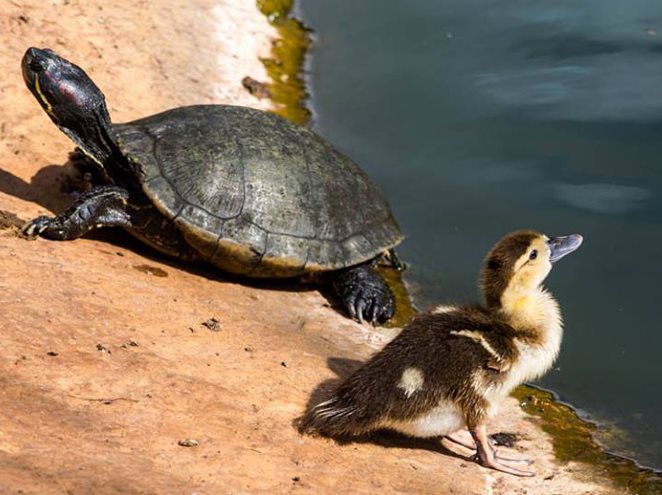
(488,456)
(463,438)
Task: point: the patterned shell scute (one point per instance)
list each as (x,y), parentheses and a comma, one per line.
(256,194)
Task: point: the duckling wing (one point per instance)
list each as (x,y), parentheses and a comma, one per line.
(491,336)
(430,366)
(496,361)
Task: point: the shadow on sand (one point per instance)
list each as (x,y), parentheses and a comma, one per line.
(55,187)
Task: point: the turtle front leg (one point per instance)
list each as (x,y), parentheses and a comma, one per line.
(365,294)
(103,206)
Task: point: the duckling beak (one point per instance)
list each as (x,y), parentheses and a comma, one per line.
(560,246)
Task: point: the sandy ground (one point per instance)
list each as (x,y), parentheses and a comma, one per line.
(106,364)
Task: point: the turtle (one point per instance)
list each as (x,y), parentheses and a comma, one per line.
(243,189)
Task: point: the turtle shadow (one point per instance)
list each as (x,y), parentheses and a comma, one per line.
(55,188)
(343,368)
(50,187)
(120,238)
(201,268)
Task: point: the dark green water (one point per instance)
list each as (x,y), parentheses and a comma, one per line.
(482,117)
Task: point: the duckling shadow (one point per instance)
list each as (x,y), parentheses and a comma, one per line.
(392,439)
(343,368)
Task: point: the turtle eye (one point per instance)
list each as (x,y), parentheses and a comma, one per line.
(35,65)
(533,255)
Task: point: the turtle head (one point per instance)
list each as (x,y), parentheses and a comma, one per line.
(73,102)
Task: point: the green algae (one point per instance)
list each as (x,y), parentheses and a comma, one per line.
(286,62)
(574,440)
(405,310)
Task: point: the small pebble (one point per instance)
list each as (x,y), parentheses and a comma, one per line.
(504,439)
(256,88)
(103,348)
(212,324)
(188,442)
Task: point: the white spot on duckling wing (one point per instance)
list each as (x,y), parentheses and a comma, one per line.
(411,381)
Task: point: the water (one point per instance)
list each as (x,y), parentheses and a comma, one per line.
(481,117)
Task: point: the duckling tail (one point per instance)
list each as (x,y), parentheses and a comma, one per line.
(333,418)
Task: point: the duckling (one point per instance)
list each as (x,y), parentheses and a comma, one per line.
(449,369)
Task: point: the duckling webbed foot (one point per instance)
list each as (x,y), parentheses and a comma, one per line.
(365,294)
(487,455)
(464,439)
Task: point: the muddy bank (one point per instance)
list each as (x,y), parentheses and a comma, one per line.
(123,372)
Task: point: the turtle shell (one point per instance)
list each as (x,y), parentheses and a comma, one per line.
(255,194)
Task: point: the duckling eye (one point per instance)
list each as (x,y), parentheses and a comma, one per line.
(533,255)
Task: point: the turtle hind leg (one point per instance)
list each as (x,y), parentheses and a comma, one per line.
(103,206)
(393,260)
(365,294)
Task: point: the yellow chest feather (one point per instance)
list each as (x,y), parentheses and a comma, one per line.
(538,317)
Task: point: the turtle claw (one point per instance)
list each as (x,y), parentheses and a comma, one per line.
(36,226)
(350,305)
(360,308)
(365,294)
(374,312)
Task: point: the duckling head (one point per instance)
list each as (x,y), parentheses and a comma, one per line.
(519,263)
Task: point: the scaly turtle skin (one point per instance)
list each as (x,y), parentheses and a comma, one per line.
(240,188)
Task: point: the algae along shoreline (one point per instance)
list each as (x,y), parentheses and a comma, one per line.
(574,440)
(573,437)
(285,65)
